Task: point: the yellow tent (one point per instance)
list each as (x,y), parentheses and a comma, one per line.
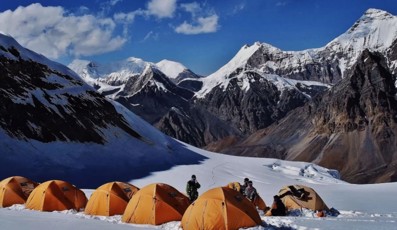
(221,208)
(235,186)
(56,195)
(300,196)
(110,199)
(155,204)
(15,190)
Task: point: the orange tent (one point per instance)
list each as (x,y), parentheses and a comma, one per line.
(110,199)
(155,204)
(258,202)
(300,196)
(221,208)
(56,195)
(15,190)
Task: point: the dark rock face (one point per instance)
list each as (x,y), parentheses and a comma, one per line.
(392,56)
(254,108)
(195,125)
(322,67)
(351,128)
(36,105)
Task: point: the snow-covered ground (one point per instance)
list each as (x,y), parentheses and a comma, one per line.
(360,206)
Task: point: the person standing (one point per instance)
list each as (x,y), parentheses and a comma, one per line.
(191,188)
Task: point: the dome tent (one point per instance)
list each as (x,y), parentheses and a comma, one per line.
(155,204)
(15,190)
(300,196)
(220,208)
(258,201)
(110,199)
(56,195)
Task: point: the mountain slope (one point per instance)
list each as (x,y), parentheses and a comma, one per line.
(53,125)
(351,128)
(195,125)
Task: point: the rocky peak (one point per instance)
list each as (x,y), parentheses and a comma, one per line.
(361,98)
(351,128)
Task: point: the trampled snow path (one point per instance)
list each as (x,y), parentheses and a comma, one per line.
(16,217)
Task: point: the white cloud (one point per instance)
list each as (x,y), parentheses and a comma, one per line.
(201,25)
(203,20)
(162,8)
(55,33)
(192,8)
(127,18)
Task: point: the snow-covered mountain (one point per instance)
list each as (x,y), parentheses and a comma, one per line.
(54,125)
(108,78)
(376,30)
(262,83)
(118,72)
(152,92)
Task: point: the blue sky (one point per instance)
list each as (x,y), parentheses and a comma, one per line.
(203,35)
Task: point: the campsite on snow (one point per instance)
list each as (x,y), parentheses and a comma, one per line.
(272,139)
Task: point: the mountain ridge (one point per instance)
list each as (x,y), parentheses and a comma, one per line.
(54,125)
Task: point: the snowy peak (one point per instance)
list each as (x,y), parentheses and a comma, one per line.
(119,72)
(170,68)
(176,71)
(156,80)
(376,13)
(375,30)
(93,70)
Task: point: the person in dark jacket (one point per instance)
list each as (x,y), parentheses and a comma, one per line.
(244,186)
(191,188)
(278,207)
